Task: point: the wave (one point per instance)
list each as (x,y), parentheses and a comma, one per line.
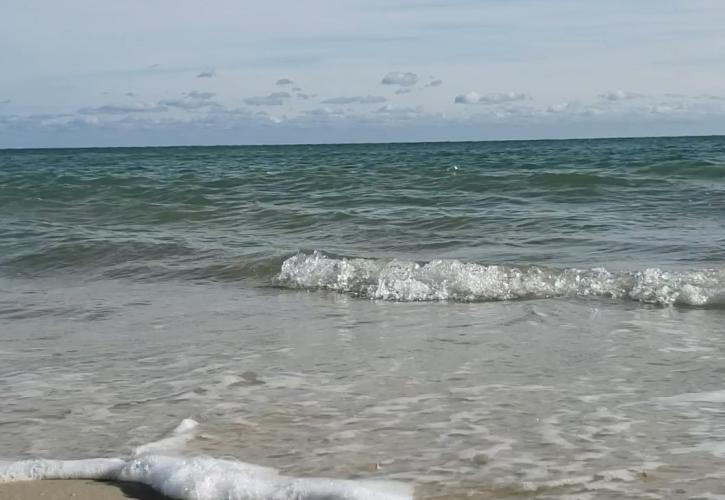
(202,478)
(92,254)
(578,180)
(695,170)
(452,280)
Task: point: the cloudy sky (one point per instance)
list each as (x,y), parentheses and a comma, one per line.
(146,72)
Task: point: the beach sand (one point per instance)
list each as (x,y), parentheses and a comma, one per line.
(76,489)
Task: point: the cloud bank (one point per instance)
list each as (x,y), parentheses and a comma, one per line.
(489,99)
(620,95)
(369,99)
(273,99)
(111,109)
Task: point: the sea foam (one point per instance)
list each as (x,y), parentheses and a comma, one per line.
(159,466)
(452,280)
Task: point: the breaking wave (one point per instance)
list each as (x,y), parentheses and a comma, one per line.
(452,280)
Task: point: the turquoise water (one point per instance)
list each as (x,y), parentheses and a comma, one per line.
(230,213)
(476,320)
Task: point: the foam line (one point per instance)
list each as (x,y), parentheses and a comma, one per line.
(200,477)
(94,468)
(205,478)
(452,280)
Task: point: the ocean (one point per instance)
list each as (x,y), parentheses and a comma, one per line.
(533,319)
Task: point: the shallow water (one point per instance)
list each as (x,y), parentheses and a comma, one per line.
(540,398)
(523,320)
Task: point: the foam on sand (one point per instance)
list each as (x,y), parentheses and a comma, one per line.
(30,470)
(202,478)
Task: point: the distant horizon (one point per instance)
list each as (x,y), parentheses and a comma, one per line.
(364,143)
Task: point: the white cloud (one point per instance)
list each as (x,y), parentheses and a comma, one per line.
(573,109)
(620,95)
(400,78)
(563,107)
(469,98)
(434,83)
(111,109)
(710,97)
(698,97)
(6,101)
(504,97)
(303,96)
(191,100)
(273,99)
(667,108)
(326,111)
(404,90)
(370,99)
(187,104)
(204,96)
(207,74)
(285,81)
(400,113)
(389,122)
(497,98)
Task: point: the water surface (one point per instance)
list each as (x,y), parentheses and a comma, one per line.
(482,320)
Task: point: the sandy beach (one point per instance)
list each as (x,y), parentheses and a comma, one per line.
(76,489)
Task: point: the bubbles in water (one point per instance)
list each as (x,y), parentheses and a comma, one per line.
(444,280)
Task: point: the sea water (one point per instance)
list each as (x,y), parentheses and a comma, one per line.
(467,320)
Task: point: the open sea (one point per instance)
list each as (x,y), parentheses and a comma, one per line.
(488,320)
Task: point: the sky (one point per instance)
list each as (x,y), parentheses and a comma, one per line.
(179,72)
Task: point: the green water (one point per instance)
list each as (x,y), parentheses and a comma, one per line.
(222,213)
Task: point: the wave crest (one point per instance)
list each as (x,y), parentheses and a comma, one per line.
(452,280)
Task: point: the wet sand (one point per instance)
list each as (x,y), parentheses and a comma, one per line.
(76,489)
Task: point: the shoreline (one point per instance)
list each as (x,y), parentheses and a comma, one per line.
(77,489)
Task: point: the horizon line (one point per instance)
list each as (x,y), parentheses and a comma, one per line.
(367,143)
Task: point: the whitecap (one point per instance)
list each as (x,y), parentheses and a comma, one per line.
(453,280)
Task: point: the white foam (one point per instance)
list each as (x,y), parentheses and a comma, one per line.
(616,475)
(443,280)
(552,435)
(715,448)
(603,480)
(27,470)
(173,442)
(202,478)
(205,478)
(717,397)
